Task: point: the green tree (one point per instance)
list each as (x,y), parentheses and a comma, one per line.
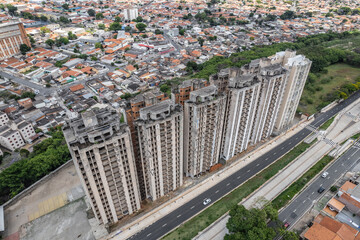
(32,40)
(61,41)
(43,18)
(99,16)
(101,26)
(71,36)
(50,42)
(65,6)
(115,26)
(182,32)
(63,19)
(24,48)
(201,41)
(117,19)
(139,19)
(93,58)
(91,12)
(158,31)
(11,9)
(287,15)
(141,26)
(128,29)
(44,30)
(98,45)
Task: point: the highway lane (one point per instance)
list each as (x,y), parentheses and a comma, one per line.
(306,199)
(194,206)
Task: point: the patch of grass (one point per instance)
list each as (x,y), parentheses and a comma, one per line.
(192,227)
(294,188)
(320,93)
(356,136)
(327,124)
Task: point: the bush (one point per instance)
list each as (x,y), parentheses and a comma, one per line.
(333,188)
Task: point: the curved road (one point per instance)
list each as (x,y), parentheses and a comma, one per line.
(194,206)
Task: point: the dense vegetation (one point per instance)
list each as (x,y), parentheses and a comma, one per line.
(46,157)
(254,224)
(322,49)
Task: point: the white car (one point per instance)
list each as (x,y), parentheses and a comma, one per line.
(324,175)
(206,201)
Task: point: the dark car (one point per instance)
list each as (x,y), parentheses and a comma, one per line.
(321,189)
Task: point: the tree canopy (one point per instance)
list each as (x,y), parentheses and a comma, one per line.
(91,12)
(141,26)
(46,157)
(254,224)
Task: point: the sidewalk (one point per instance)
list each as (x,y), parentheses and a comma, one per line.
(212,179)
(341,129)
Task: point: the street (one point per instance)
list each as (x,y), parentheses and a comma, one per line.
(194,206)
(306,199)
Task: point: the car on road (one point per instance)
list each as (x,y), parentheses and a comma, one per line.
(325,174)
(286,225)
(206,201)
(321,189)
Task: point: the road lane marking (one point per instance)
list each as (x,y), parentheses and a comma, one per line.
(295,210)
(192,207)
(148,234)
(289,143)
(238,177)
(257,164)
(304,201)
(179,216)
(336,170)
(217,191)
(312,192)
(248,170)
(228,184)
(274,153)
(164,225)
(296,138)
(266,159)
(353,154)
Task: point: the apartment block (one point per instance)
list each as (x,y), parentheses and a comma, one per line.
(160,136)
(132,114)
(203,127)
(102,152)
(10,138)
(188,86)
(272,79)
(130,14)
(298,67)
(26,130)
(243,92)
(4,119)
(12,35)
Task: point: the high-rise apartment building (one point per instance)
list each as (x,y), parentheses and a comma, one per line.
(272,79)
(132,114)
(12,35)
(186,87)
(243,92)
(221,79)
(160,136)
(298,67)
(130,14)
(102,152)
(203,126)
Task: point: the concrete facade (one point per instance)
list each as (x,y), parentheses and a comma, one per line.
(203,125)
(26,130)
(12,35)
(102,152)
(4,119)
(272,79)
(10,138)
(298,67)
(160,134)
(243,92)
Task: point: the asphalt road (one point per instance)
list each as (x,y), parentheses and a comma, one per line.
(194,206)
(306,199)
